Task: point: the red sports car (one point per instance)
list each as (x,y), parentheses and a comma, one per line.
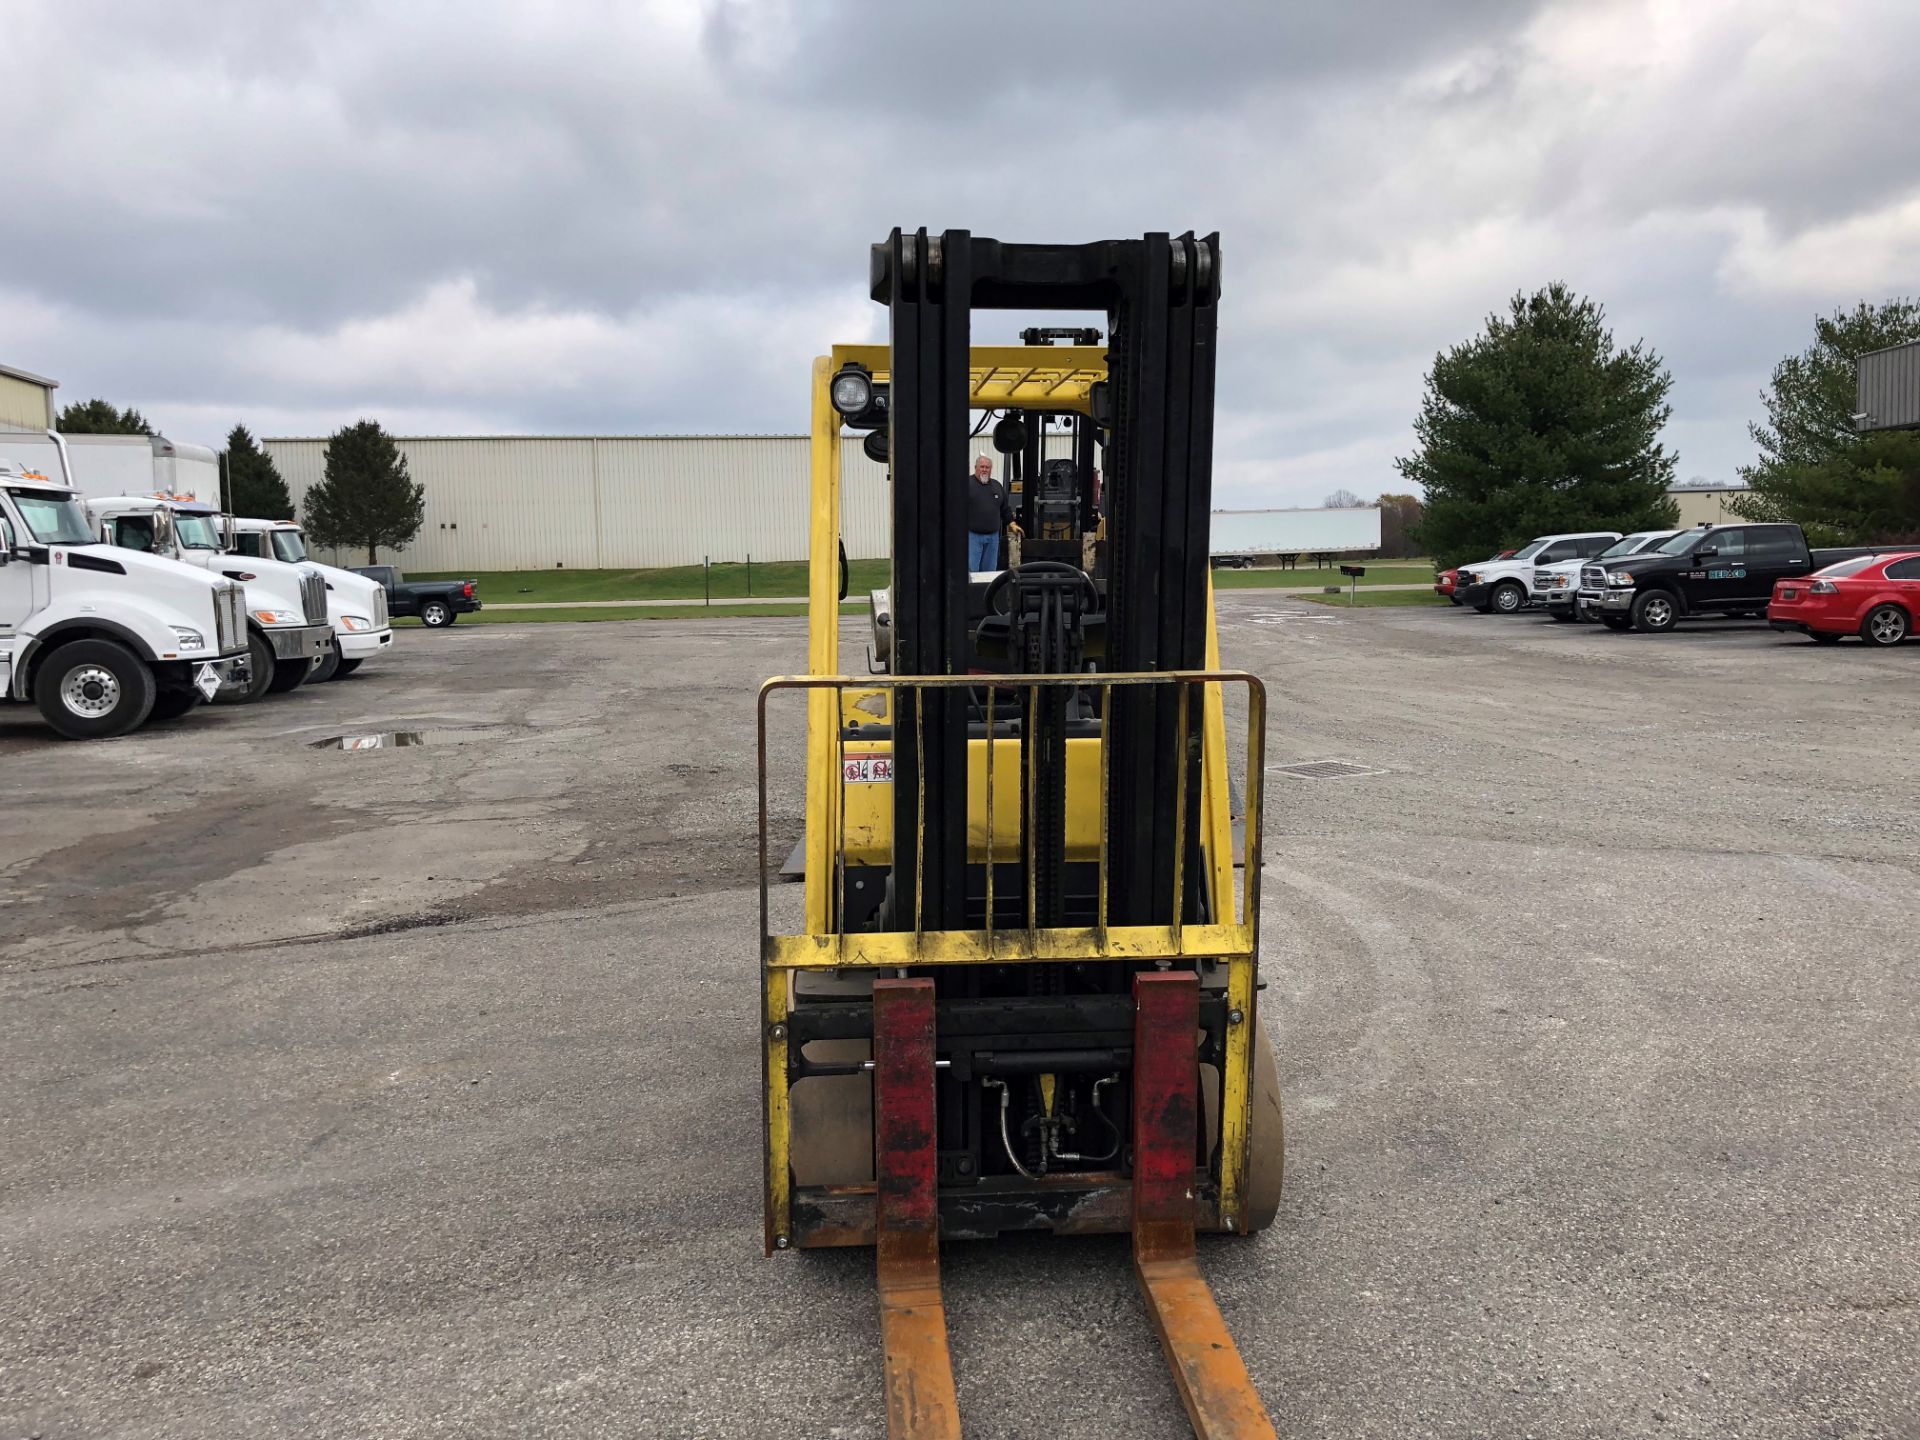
(1443,583)
(1875,597)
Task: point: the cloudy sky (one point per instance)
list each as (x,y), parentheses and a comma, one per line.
(645,217)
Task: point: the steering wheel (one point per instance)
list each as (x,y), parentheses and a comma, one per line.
(996,597)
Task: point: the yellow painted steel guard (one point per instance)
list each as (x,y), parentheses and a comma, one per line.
(1228,938)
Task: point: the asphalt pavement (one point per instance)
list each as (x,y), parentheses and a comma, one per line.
(413,1091)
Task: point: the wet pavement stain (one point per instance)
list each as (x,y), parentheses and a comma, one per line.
(397,739)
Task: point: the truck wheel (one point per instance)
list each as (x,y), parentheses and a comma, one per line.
(328,666)
(347,667)
(1885,625)
(172,704)
(259,674)
(1509,598)
(435,613)
(288,675)
(94,690)
(1654,612)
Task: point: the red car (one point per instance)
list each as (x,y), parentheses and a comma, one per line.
(1873,596)
(1443,583)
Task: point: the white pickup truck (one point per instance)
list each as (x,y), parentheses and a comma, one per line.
(99,639)
(1506,586)
(1557,587)
(356,606)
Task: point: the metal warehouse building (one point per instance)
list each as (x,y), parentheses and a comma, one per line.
(533,502)
(624,502)
(26,400)
(1889,388)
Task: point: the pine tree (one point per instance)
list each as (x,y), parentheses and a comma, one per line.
(98,417)
(1810,404)
(254,487)
(1540,425)
(367,498)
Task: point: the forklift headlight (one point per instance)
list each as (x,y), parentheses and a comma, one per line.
(851,391)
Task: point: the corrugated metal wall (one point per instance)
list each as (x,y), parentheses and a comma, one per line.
(1705,507)
(1889,387)
(24,405)
(531,502)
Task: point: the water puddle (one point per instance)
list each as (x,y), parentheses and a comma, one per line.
(397,739)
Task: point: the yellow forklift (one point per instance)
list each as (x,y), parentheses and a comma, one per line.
(1023,994)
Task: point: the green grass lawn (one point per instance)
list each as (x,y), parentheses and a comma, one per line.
(683,582)
(1384,572)
(1367,599)
(637,612)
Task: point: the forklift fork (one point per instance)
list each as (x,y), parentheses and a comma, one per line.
(913,1321)
(1219,1397)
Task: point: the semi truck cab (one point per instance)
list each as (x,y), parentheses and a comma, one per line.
(99,639)
(286,609)
(356,605)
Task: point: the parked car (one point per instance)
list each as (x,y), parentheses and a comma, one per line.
(1708,570)
(1443,584)
(1557,589)
(1873,596)
(1507,585)
(436,602)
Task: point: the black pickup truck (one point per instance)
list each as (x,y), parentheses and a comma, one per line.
(1708,570)
(436,602)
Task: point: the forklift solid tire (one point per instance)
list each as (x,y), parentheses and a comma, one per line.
(1267,1162)
(288,675)
(93,690)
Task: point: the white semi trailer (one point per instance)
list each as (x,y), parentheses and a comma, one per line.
(1236,538)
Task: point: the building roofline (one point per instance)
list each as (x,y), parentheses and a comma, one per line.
(29,377)
(1886,349)
(476,439)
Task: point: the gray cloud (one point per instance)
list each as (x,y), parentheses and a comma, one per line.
(646,218)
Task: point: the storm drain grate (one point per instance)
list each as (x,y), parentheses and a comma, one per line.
(1326,770)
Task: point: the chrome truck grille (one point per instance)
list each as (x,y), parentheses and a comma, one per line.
(380,619)
(313,596)
(1593,577)
(229,619)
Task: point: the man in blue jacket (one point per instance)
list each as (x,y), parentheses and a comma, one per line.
(989,511)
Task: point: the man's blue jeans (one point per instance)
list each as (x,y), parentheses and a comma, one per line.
(983,551)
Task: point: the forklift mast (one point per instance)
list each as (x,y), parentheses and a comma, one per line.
(1025,995)
(1160,299)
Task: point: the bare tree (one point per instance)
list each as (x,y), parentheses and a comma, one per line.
(1342,500)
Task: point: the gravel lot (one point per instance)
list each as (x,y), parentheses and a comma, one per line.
(414,1092)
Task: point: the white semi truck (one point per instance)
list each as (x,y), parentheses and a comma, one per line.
(288,634)
(356,606)
(99,639)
